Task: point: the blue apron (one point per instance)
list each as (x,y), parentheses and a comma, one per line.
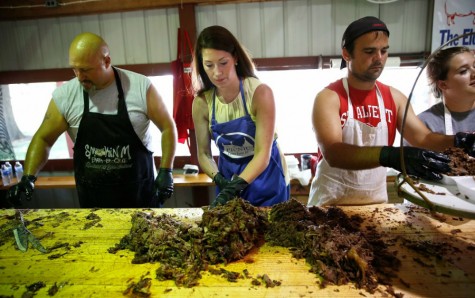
(235,140)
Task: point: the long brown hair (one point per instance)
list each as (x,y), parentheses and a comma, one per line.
(219,38)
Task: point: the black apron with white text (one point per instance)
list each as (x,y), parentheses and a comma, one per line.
(112,167)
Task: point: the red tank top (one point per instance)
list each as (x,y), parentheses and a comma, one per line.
(365,106)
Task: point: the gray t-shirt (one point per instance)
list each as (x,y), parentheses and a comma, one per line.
(69,100)
(434,119)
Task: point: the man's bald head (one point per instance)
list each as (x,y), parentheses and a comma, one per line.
(89,58)
(88,45)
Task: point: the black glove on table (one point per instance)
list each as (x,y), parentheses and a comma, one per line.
(465,140)
(164,185)
(23,189)
(233,189)
(419,162)
(220,181)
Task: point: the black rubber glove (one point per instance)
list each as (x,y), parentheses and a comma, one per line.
(419,162)
(220,181)
(164,185)
(230,191)
(465,140)
(22,190)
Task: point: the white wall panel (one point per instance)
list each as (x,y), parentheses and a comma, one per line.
(112,32)
(9,52)
(227,16)
(134,37)
(161,27)
(205,16)
(89,23)
(296,22)
(28,47)
(393,16)
(282,28)
(69,28)
(49,30)
(414,17)
(323,39)
(251,35)
(273,40)
(314,27)
(346,12)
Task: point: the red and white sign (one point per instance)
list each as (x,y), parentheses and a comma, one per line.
(452,19)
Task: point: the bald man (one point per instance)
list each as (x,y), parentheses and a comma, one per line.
(106,112)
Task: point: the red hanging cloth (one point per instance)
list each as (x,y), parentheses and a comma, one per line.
(182,89)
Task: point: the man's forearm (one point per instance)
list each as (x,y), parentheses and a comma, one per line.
(168,148)
(36,157)
(351,157)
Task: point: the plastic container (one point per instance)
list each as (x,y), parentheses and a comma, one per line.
(305,161)
(18,171)
(10,170)
(5,176)
(190,170)
(292,164)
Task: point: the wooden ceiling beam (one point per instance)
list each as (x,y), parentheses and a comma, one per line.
(36,9)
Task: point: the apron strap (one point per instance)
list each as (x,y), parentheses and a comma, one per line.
(382,108)
(243,98)
(121,109)
(447,120)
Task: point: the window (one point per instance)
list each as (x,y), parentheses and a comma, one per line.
(294,92)
(29,116)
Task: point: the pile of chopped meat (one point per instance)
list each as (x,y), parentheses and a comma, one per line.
(226,233)
(461,163)
(231,231)
(177,245)
(329,241)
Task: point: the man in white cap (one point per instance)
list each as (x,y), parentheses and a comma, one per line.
(355,121)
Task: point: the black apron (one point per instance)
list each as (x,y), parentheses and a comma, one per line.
(112,167)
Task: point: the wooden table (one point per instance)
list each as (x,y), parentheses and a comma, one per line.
(45,182)
(86,269)
(201,179)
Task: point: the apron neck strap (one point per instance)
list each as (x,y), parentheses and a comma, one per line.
(121,106)
(447,120)
(382,109)
(241,91)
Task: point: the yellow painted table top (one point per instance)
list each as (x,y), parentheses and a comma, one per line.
(87,269)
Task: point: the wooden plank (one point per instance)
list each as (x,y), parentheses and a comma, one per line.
(45,182)
(35,9)
(88,270)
